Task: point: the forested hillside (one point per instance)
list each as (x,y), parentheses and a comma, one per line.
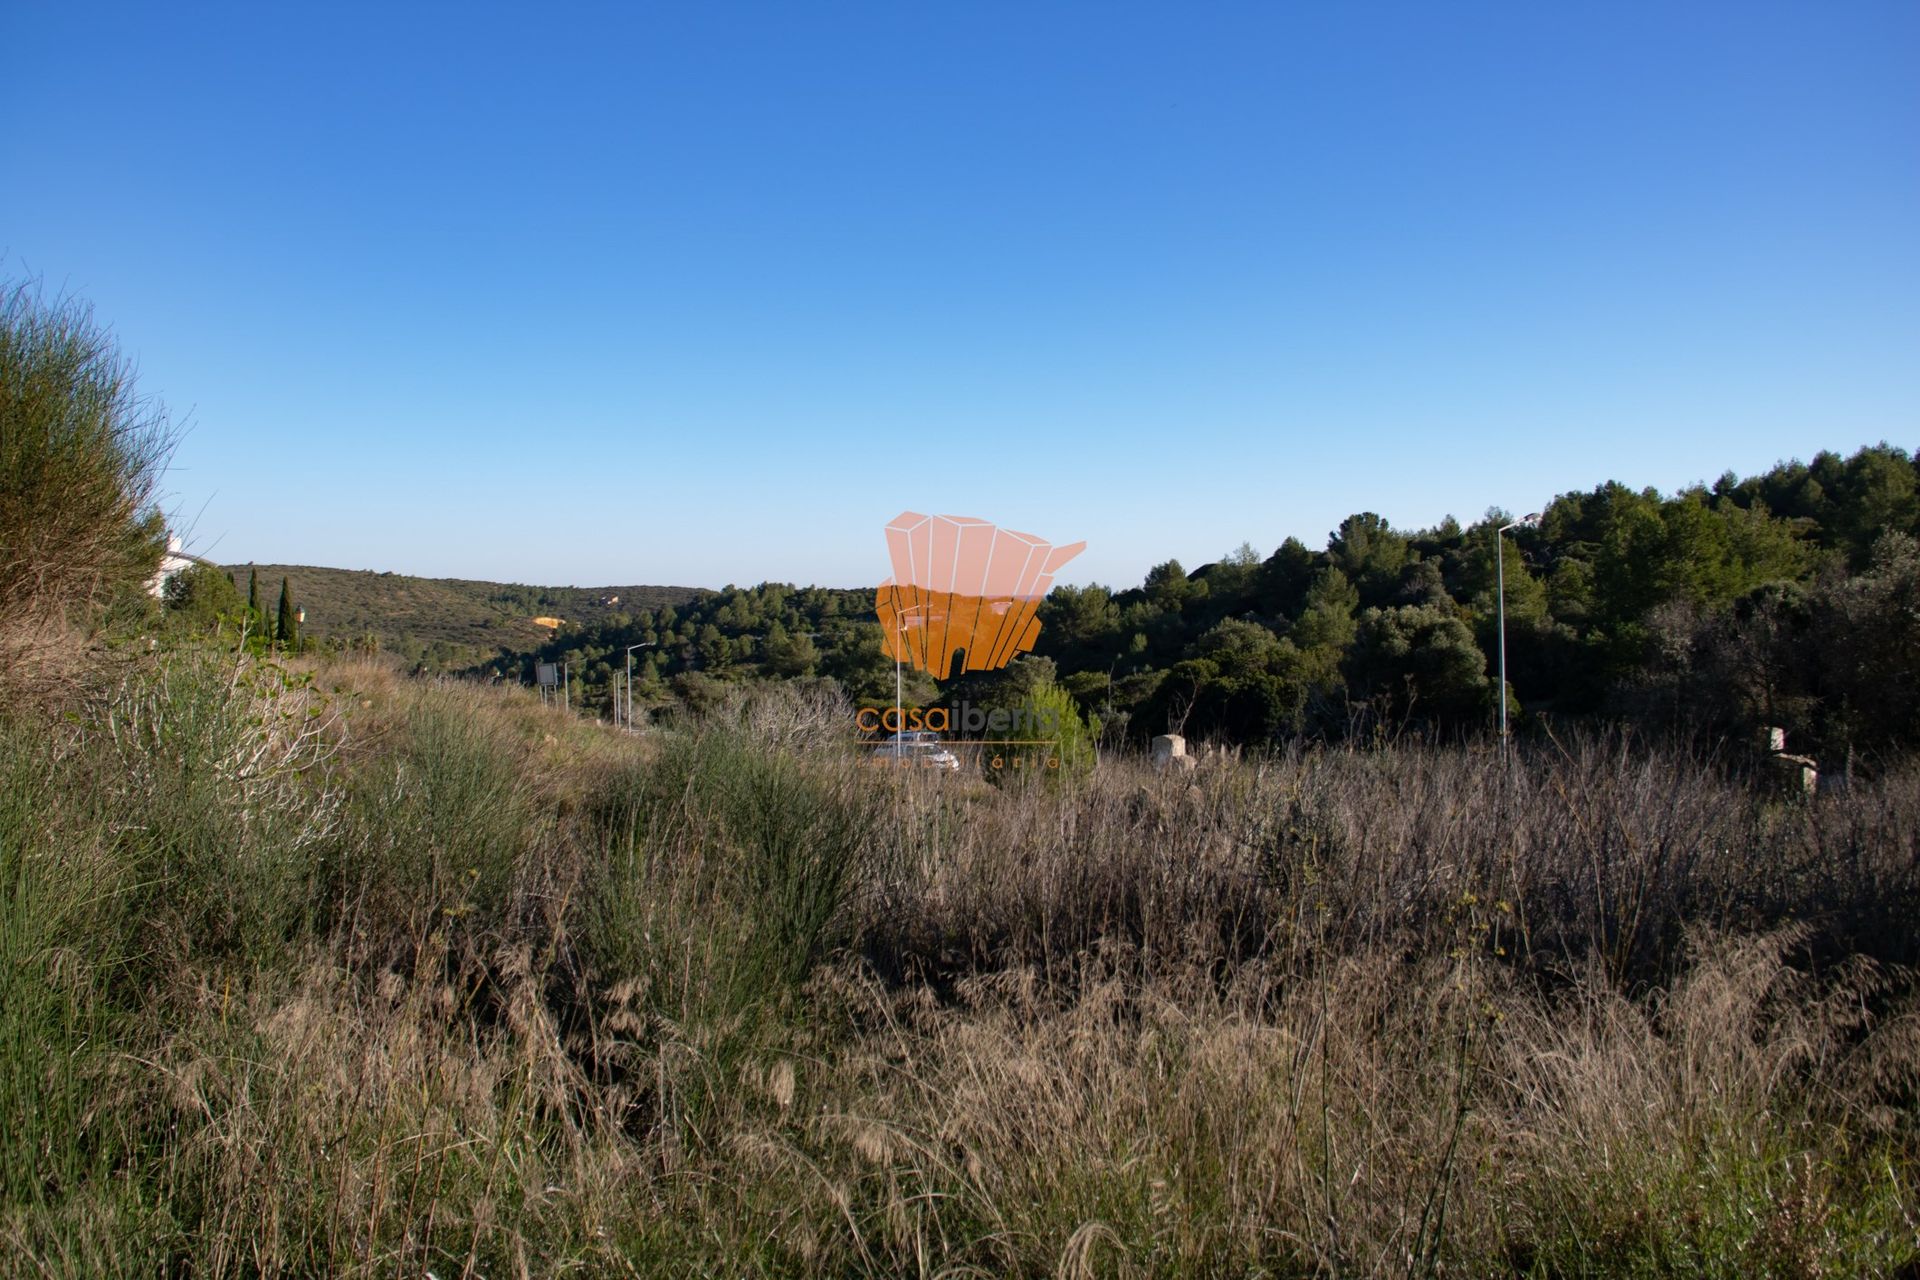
(1784,598)
(444,623)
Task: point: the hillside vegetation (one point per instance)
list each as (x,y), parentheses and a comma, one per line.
(1790,598)
(449,623)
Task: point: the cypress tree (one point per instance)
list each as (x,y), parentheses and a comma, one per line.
(288,628)
(258,623)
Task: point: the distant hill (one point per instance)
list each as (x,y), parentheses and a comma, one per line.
(446,621)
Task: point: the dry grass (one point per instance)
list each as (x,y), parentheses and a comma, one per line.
(326,972)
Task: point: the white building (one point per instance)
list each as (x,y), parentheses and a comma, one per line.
(175,561)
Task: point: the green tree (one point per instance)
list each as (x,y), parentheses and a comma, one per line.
(788,655)
(1486,570)
(1871,493)
(1423,582)
(1248,708)
(1715,551)
(1168,586)
(1570,591)
(201,597)
(1047,711)
(857,658)
(1760,660)
(1868,636)
(1283,579)
(1369,553)
(1632,539)
(1081,618)
(1327,620)
(716,654)
(287,626)
(1234,575)
(1237,647)
(1419,660)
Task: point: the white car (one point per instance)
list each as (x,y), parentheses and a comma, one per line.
(915,749)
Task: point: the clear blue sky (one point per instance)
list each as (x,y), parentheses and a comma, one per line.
(708,293)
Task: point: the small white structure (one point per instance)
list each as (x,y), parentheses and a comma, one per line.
(1169,751)
(1793,773)
(175,561)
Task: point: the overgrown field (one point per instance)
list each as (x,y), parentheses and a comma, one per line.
(324,972)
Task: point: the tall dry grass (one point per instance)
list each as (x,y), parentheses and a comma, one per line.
(319,971)
(1602,851)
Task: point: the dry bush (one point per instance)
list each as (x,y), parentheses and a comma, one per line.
(342,1131)
(1377,1119)
(80,454)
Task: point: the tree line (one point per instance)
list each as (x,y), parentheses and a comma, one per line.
(1789,598)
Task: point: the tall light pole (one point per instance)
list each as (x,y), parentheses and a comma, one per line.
(899,713)
(1500,594)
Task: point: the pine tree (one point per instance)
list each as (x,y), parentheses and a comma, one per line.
(288,628)
(253,591)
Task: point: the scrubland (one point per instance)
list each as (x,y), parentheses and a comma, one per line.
(308,969)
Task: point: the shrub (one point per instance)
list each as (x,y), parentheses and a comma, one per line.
(202,598)
(739,852)
(80,454)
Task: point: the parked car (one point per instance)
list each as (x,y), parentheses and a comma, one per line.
(915,748)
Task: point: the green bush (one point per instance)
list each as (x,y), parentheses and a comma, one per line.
(741,854)
(48,925)
(209,769)
(200,598)
(437,832)
(1032,748)
(80,454)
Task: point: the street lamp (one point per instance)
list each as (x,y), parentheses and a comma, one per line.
(1500,593)
(899,713)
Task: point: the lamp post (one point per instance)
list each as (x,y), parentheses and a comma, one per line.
(1500,594)
(899,712)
